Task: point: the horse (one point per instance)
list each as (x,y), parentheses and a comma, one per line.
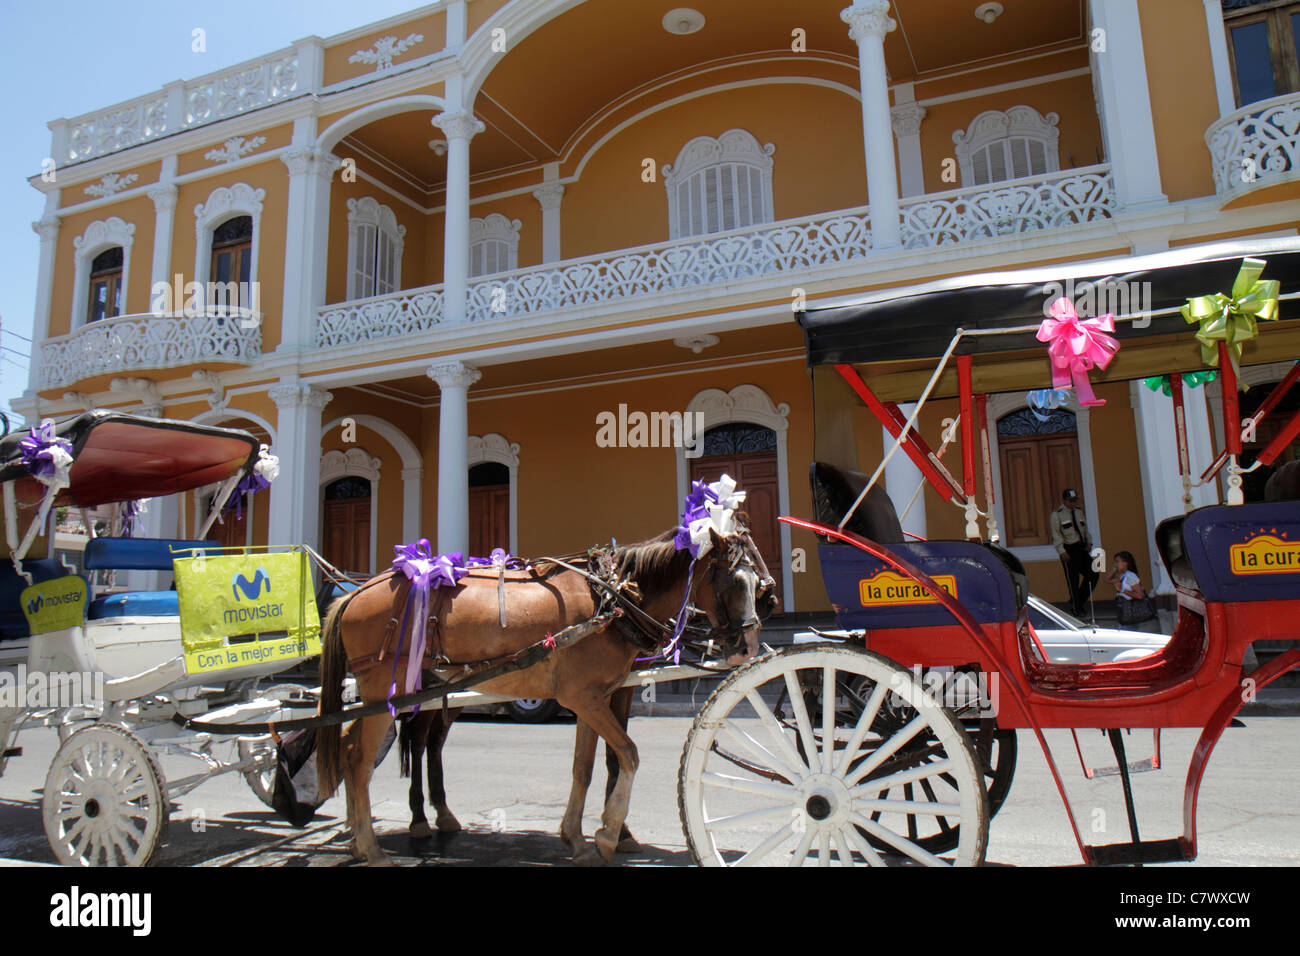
(466,629)
(423,735)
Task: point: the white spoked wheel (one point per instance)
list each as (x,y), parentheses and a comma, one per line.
(105,801)
(774,775)
(261,776)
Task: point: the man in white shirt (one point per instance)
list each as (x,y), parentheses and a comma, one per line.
(1073,542)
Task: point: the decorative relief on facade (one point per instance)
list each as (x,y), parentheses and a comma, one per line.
(383,51)
(233,149)
(110,184)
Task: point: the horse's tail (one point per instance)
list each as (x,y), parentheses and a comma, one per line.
(333,667)
(405,743)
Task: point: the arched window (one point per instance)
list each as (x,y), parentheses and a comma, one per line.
(1039,458)
(493,245)
(719,184)
(375,243)
(997,146)
(105,285)
(226,233)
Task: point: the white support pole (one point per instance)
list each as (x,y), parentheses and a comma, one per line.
(47,228)
(454,380)
(459,128)
(164,194)
(1119,62)
(868,22)
(295,494)
(901,480)
(1219,56)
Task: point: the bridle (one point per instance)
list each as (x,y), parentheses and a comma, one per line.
(741,547)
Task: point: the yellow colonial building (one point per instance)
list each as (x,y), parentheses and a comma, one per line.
(464,235)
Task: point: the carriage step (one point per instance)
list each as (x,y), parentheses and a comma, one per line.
(11,752)
(1134,766)
(1146,851)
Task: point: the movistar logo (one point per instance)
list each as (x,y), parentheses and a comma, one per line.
(252,589)
(35,604)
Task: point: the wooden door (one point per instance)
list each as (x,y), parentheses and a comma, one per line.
(756,475)
(346,524)
(489,519)
(1035,470)
(232,531)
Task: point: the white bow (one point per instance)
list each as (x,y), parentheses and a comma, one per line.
(721,517)
(267,465)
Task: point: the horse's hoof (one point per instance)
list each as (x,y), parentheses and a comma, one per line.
(447,823)
(588,857)
(383,859)
(422,830)
(605,845)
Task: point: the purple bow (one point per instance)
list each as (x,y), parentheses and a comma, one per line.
(130,511)
(36,450)
(250,484)
(694,509)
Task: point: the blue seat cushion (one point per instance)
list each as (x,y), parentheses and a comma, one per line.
(139,554)
(13,623)
(135,604)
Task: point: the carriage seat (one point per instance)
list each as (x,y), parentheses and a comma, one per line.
(1173,552)
(833,492)
(140,554)
(13,623)
(135,604)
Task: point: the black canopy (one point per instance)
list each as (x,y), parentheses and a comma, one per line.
(919,322)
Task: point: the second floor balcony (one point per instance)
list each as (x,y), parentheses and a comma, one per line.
(799,248)
(1256,147)
(147,342)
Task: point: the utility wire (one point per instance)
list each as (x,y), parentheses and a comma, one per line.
(12,332)
(15,351)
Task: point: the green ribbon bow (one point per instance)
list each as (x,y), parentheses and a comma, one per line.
(1233,319)
(1160,383)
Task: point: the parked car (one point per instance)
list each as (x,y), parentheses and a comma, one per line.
(1067,639)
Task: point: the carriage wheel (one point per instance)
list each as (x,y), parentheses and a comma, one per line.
(105,801)
(261,778)
(874,789)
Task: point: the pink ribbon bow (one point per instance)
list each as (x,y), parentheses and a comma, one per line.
(1075,346)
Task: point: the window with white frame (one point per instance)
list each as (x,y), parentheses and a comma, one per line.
(493,245)
(1007,145)
(719,184)
(375,243)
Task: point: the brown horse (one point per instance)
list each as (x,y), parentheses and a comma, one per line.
(359,632)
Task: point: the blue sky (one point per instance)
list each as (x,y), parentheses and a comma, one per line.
(68,58)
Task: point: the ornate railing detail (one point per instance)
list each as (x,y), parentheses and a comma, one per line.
(1258,145)
(380,317)
(795,246)
(132,342)
(1009,208)
(183,106)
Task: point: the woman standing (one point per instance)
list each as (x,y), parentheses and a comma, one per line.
(1135,609)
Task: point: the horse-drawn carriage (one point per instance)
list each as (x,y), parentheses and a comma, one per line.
(845,750)
(119,671)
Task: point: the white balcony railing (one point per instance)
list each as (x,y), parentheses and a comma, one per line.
(1056,201)
(182,106)
(132,342)
(1257,145)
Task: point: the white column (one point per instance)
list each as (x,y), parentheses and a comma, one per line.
(48,230)
(163,195)
(311,63)
(1219,56)
(1121,74)
(295,494)
(459,128)
(1162,488)
(906,118)
(306,248)
(549,195)
(412,481)
(901,480)
(454,380)
(868,22)
(456,23)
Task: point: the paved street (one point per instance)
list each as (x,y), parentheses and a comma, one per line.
(508,784)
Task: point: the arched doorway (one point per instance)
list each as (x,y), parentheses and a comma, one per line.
(1039,458)
(748,453)
(346,529)
(489,508)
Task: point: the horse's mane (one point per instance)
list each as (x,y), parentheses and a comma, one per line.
(654,564)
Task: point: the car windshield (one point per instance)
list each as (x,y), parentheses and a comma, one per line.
(1046,617)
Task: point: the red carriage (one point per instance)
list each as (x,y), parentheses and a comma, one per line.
(840,752)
